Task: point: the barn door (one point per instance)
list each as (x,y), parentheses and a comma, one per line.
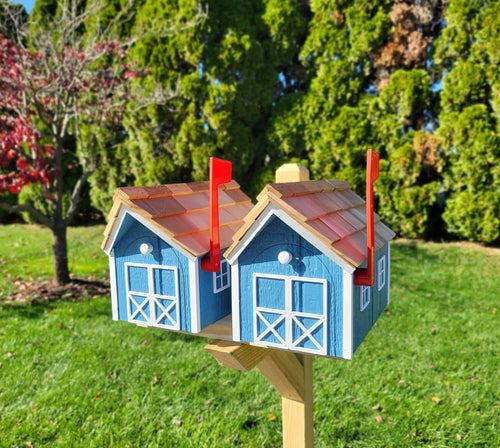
(152,295)
(290,312)
(308,315)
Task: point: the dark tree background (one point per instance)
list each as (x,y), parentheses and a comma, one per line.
(263,82)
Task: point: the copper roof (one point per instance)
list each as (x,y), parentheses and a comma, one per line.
(328,209)
(181,212)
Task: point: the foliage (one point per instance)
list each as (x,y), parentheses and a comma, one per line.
(64,95)
(469,119)
(148,150)
(263,82)
(10,16)
(427,374)
(227,70)
(396,76)
(473,210)
(47,95)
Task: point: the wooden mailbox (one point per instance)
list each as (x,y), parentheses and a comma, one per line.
(288,284)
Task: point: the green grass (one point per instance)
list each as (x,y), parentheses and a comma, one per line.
(26,254)
(71,377)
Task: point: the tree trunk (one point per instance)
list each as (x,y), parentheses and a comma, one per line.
(60,251)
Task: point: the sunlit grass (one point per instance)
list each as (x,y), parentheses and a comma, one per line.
(27,254)
(426,376)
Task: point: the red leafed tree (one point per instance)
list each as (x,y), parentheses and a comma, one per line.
(50,93)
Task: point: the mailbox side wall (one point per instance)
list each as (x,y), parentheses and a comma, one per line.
(364,319)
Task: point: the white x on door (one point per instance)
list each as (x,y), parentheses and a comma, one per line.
(290,312)
(152,295)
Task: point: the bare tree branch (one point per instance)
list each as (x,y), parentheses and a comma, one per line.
(27,208)
(13,23)
(76,196)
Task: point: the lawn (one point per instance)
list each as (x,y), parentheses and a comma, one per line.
(427,375)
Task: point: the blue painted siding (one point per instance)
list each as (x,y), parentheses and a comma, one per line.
(213,306)
(261,256)
(364,320)
(126,250)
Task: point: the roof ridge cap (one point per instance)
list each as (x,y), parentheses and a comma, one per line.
(309,187)
(335,184)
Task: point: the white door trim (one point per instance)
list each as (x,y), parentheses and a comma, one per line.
(290,316)
(153,299)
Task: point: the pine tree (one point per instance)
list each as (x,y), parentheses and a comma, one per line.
(468,57)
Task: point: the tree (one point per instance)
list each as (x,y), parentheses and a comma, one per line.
(468,57)
(150,150)
(368,87)
(262,83)
(44,97)
(54,92)
(11,16)
(228,70)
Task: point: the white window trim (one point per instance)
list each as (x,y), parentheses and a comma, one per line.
(365,296)
(381,272)
(224,270)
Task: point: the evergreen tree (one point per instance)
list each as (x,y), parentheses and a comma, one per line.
(368,88)
(468,57)
(227,71)
(265,82)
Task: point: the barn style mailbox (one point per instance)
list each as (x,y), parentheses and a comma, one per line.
(305,269)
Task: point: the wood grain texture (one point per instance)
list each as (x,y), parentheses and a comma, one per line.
(222,329)
(286,373)
(292,172)
(298,416)
(236,355)
(329,210)
(181,210)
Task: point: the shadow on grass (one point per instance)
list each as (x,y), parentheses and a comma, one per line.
(406,255)
(411,250)
(89,308)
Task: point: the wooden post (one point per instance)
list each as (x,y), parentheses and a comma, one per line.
(298,420)
(235,355)
(297,414)
(292,172)
(289,373)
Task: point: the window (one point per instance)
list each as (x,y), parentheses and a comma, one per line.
(381,272)
(221,277)
(365,296)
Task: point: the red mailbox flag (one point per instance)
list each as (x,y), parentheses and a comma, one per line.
(220,173)
(366,276)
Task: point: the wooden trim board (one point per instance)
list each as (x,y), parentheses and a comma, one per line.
(236,355)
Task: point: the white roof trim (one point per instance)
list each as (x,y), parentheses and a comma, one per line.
(235,301)
(114,231)
(113,286)
(250,234)
(273,210)
(388,267)
(124,210)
